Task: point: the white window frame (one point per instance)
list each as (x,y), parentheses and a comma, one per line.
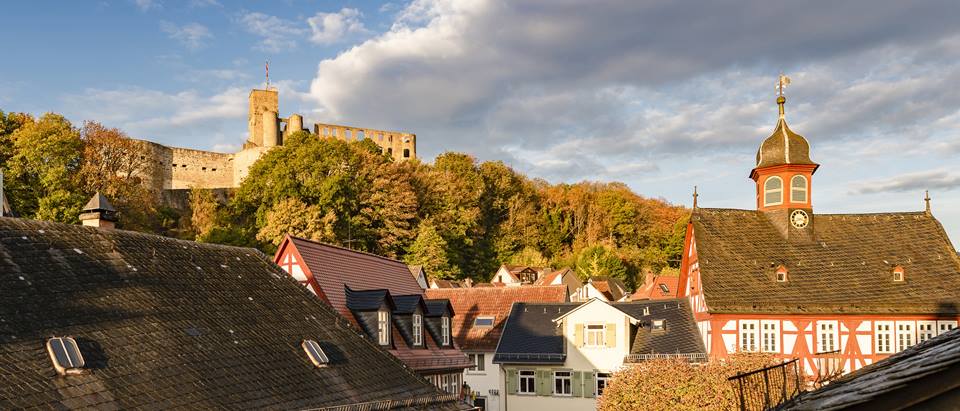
(767,191)
(445,329)
(600,334)
(803,190)
(478,366)
(383,327)
(753,332)
(879,333)
(944,326)
(530,375)
(417,329)
(486,317)
(827,332)
(905,335)
(602,378)
(558,378)
(770,332)
(926,330)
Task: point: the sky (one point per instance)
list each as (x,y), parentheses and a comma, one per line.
(662,95)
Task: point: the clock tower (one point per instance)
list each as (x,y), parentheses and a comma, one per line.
(784,176)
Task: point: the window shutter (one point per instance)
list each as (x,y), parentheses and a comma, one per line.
(577,382)
(512,382)
(611,332)
(544,382)
(589,384)
(578,335)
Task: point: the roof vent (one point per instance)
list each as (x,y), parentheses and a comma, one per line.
(65,355)
(315,353)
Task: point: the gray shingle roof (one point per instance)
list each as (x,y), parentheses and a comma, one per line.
(173,324)
(681,335)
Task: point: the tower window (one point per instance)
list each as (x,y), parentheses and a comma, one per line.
(406,153)
(773,191)
(65,355)
(798,189)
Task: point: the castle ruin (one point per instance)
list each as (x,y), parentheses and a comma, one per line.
(174,168)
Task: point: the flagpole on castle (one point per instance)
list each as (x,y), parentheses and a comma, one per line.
(267,65)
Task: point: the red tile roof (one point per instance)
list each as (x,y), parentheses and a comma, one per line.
(470,303)
(652,290)
(548,278)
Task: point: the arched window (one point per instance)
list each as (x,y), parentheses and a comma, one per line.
(773,191)
(798,189)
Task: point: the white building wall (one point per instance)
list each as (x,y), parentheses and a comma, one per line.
(487,384)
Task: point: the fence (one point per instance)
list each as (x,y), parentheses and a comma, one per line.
(768,387)
(692,357)
(384,405)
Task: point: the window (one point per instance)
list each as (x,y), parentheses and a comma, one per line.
(925,330)
(798,189)
(383,327)
(315,353)
(904,335)
(445,326)
(782,274)
(65,355)
(770,336)
(748,335)
(527,379)
(646,310)
(827,336)
(417,329)
(884,337)
(595,336)
(658,325)
(664,288)
(347,134)
(944,326)
(562,383)
(477,360)
(485,322)
(361,135)
(406,153)
(602,378)
(773,191)
(898,274)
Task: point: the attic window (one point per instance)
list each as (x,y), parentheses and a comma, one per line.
(483,322)
(898,274)
(781,274)
(664,288)
(659,325)
(646,310)
(65,355)
(315,353)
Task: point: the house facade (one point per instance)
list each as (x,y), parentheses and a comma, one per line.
(838,291)
(481,316)
(566,277)
(381,297)
(604,288)
(561,356)
(516,275)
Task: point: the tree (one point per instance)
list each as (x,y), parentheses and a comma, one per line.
(600,261)
(674,384)
(430,251)
(203,212)
(292,216)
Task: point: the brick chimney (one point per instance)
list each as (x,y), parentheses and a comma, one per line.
(98,212)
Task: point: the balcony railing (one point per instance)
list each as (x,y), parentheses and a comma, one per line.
(506,357)
(690,357)
(829,367)
(768,387)
(384,405)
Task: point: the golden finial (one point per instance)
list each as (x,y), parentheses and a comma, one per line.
(782,82)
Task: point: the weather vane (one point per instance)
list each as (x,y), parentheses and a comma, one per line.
(782,82)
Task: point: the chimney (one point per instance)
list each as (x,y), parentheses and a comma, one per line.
(98,212)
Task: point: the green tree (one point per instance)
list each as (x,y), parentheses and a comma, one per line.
(430,250)
(600,261)
(292,216)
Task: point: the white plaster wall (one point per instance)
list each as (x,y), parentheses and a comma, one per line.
(535,403)
(488,379)
(596,358)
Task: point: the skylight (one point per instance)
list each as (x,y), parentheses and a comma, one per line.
(483,322)
(65,355)
(664,288)
(315,353)
(659,325)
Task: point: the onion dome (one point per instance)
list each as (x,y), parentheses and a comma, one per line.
(783,146)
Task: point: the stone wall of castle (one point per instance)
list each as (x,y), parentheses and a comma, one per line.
(179,168)
(399,145)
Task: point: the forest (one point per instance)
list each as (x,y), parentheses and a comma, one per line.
(458,217)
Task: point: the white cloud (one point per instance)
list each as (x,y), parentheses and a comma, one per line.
(330,28)
(205,3)
(941,179)
(191,35)
(276,34)
(147,5)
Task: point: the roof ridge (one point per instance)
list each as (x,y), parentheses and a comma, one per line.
(342,248)
(822,214)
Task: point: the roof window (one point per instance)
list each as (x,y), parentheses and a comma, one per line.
(664,288)
(659,325)
(782,274)
(898,274)
(65,355)
(483,322)
(315,353)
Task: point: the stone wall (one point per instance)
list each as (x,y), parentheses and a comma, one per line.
(399,145)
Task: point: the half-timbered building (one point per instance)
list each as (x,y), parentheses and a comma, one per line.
(838,291)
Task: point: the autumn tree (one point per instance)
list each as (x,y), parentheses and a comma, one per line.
(292,216)
(430,250)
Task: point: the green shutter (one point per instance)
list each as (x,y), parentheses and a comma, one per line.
(577,383)
(589,384)
(611,335)
(544,382)
(512,382)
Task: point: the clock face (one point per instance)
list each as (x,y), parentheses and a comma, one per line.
(799,218)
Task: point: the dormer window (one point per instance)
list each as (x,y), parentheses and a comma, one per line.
(658,325)
(417,329)
(773,191)
(798,189)
(65,355)
(315,353)
(445,330)
(781,274)
(898,274)
(646,310)
(383,327)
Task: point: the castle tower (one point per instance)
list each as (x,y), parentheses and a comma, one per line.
(261,102)
(784,176)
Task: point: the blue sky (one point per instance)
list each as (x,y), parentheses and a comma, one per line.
(662,95)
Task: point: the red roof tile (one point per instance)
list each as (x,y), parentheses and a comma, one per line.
(652,290)
(470,303)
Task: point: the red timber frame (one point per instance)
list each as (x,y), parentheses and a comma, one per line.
(287,247)
(855,336)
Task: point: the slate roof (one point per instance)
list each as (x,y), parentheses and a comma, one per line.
(906,379)
(681,335)
(845,268)
(783,147)
(164,323)
(495,302)
(367,300)
(407,304)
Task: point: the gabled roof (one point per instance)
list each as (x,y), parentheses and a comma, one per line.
(407,304)
(611,287)
(681,335)
(846,268)
(531,337)
(173,324)
(367,300)
(548,278)
(495,302)
(914,377)
(630,315)
(660,287)
(437,307)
